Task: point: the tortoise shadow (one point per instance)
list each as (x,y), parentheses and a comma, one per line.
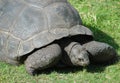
(92,68)
(103,37)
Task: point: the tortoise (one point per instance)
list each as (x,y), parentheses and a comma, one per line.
(44,33)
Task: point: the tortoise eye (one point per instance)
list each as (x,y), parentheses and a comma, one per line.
(80,59)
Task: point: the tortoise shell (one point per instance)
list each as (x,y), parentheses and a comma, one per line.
(29,24)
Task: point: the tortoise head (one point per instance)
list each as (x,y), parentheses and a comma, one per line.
(78,55)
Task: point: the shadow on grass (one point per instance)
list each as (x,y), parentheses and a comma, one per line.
(103,37)
(92,68)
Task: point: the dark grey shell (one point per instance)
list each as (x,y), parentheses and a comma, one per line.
(29,24)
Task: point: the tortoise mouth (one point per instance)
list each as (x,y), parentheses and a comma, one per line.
(84,65)
(83,62)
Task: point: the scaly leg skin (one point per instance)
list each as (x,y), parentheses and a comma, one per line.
(43,58)
(75,55)
(100,52)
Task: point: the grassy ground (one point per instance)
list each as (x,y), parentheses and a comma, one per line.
(103,18)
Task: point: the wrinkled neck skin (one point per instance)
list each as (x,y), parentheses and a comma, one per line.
(70,47)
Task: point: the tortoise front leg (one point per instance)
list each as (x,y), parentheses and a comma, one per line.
(100,52)
(43,58)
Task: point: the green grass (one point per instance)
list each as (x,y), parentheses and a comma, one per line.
(103,18)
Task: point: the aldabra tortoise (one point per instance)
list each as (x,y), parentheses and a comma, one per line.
(46,31)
